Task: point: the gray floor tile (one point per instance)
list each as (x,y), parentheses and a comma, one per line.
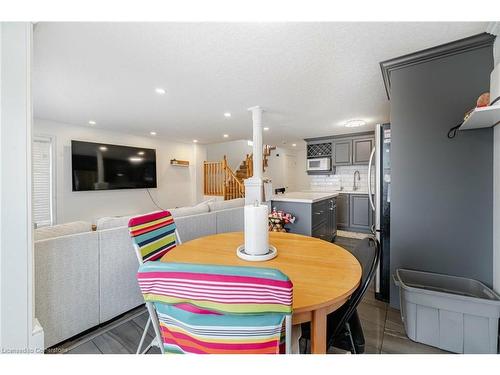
(371,350)
(108,344)
(397,344)
(374,335)
(86,348)
(141,321)
(369,298)
(122,339)
(154,350)
(394,316)
(372,314)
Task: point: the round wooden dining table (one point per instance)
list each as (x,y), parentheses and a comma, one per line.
(324,275)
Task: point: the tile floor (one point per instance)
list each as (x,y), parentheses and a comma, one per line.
(382,327)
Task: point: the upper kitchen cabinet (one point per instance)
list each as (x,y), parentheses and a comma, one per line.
(319,149)
(352,149)
(347,149)
(362,148)
(342,152)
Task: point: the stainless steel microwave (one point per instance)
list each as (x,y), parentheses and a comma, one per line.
(319,164)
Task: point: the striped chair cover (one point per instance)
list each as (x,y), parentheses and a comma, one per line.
(153,235)
(217,309)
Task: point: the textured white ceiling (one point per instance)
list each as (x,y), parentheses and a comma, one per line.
(310,77)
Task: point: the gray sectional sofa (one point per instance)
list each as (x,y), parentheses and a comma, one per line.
(84,278)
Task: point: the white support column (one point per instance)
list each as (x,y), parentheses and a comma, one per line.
(254,185)
(257,141)
(19,331)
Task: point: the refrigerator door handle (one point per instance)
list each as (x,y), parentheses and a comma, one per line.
(370,179)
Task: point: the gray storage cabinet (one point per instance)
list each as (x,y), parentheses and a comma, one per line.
(343,211)
(350,149)
(361,215)
(362,149)
(317,219)
(452,313)
(342,152)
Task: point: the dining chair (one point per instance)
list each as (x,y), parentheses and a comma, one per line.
(152,235)
(343,323)
(213,309)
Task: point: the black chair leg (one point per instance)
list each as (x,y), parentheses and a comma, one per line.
(349,333)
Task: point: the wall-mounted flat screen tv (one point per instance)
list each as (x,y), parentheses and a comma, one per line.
(101,166)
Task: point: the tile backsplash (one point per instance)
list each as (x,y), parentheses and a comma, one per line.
(343,177)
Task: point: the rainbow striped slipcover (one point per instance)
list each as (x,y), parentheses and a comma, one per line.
(217,309)
(153,235)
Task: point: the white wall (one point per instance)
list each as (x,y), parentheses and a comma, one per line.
(282,169)
(19,331)
(235,152)
(282,164)
(177,186)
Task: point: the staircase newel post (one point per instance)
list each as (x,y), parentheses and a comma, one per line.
(224,169)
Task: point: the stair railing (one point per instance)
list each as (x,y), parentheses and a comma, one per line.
(249,165)
(233,187)
(214,175)
(220,180)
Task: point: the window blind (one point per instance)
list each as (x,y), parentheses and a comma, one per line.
(42,182)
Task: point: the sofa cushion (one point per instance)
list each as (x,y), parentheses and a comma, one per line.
(195,226)
(224,205)
(119,291)
(67,285)
(113,222)
(201,208)
(231,220)
(62,230)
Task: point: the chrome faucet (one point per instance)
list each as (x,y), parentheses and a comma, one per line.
(354,187)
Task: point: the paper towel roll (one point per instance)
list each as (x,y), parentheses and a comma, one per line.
(256,230)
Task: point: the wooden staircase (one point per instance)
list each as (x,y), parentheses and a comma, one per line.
(220,180)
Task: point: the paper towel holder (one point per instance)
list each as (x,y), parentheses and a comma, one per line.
(272,253)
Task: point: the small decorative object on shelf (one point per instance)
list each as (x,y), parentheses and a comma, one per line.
(483,100)
(180,163)
(278,220)
(486,114)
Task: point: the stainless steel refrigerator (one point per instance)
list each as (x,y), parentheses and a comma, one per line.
(380,201)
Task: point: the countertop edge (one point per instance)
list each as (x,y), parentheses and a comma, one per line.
(305,200)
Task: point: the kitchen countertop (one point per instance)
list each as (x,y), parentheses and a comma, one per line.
(345,191)
(304,196)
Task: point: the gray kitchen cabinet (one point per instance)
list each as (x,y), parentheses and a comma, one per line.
(352,149)
(317,219)
(332,219)
(362,148)
(343,211)
(361,214)
(342,152)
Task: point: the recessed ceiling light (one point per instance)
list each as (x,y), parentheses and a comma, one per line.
(160,91)
(195,141)
(354,123)
(227,114)
(152,133)
(140,153)
(266,128)
(294,144)
(226,135)
(92,122)
(103,148)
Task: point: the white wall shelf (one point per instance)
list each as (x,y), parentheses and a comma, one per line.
(485,117)
(179,163)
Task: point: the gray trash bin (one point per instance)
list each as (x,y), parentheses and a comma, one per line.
(452,313)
